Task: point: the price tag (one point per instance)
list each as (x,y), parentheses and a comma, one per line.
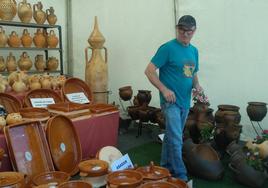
(122,163)
(41,102)
(78,98)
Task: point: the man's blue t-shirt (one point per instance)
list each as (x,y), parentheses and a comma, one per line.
(177,65)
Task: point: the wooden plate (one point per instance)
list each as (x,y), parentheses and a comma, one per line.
(68,107)
(34,113)
(100,108)
(109,154)
(11,103)
(64,144)
(28,149)
(41,93)
(75,85)
(75,184)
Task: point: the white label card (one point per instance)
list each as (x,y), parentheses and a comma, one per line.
(122,163)
(80,98)
(41,102)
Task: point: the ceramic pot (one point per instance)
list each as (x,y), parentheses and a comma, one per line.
(11,63)
(124,179)
(219,115)
(2,64)
(14,40)
(51,17)
(12,180)
(38,14)
(3,37)
(8,9)
(52,63)
(39,39)
(233,147)
(39,63)
(25,12)
(52,39)
(26,39)
(256,111)
(13,118)
(158,184)
(125,93)
(133,112)
(232,132)
(178,182)
(144,97)
(231,117)
(19,86)
(34,82)
(25,62)
(45,82)
(75,184)
(47,178)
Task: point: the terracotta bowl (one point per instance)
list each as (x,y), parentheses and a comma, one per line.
(124,179)
(11,103)
(93,168)
(56,177)
(75,184)
(152,172)
(159,184)
(179,183)
(12,180)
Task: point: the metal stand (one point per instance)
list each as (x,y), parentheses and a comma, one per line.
(255,128)
(121,104)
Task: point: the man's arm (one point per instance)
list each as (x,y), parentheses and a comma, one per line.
(151,74)
(196,84)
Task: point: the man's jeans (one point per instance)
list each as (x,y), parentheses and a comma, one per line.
(171,157)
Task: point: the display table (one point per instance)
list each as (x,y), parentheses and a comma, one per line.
(94,132)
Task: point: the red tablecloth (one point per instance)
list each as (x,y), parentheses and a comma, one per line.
(94,133)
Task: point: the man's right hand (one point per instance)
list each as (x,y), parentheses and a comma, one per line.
(169,96)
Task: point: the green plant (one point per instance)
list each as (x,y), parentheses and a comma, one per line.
(207,134)
(262,138)
(253,159)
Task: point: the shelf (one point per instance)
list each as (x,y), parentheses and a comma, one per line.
(22,48)
(33,71)
(34,25)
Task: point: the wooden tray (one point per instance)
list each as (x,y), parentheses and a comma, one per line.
(28,149)
(64,144)
(41,93)
(100,108)
(11,103)
(31,113)
(68,107)
(75,85)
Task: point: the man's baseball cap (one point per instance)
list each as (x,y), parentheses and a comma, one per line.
(187,21)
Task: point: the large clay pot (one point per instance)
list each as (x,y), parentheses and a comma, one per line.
(14,40)
(11,63)
(96,72)
(45,82)
(231,117)
(3,37)
(39,39)
(19,86)
(26,39)
(25,62)
(52,39)
(256,111)
(125,93)
(52,63)
(51,17)
(144,97)
(8,9)
(2,64)
(232,132)
(219,115)
(39,63)
(34,82)
(39,15)
(25,12)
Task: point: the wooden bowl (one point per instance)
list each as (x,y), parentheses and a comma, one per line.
(75,184)
(56,177)
(124,179)
(93,168)
(31,113)
(12,180)
(11,103)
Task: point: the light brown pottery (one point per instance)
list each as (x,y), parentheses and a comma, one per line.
(25,62)
(124,179)
(12,180)
(75,184)
(19,86)
(2,125)
(93,168)
(45,82)
(52,63)
(2,64)
(14,76)
(46,178)
(13,118)
(40,63)
(159,184)
(109,154)
(52,39)
(11,63)
(14,40)
(39,15)
(3,37)
(61,79)
(11,103)
(25,12)
(51,17)
(26,39)
(96,72)
(39,39)
(34,82)
(8,9)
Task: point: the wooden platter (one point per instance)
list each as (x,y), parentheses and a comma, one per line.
(11,103)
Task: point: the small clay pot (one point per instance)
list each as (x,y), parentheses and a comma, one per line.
(125,93)
(256,111)
(144,97)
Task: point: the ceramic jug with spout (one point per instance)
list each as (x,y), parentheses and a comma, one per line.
(52,39)
(26,39)
(2,64)
(51,17)
(3,37)
(14,40)
(39,15)
(40,63)
(11,63)
(25,62)
(8,9)
(25,12)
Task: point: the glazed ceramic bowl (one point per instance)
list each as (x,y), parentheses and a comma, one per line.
(178,182)
(75,184)
(12,180)
(56,177)
(124,179)
(159,184)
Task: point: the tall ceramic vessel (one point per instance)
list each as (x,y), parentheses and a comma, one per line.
(8,9)
(39,15)
(25,12)
(96,75)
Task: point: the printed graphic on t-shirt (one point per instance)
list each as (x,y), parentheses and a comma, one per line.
(188,70)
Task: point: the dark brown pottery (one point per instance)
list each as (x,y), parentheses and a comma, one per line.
(233,147)
(231,117)
(133,112)
(200,107)
(256,110)
(144,97)
(225,107)
(179,183)
(159,184)
(232,132)
(75,184)
(125,93)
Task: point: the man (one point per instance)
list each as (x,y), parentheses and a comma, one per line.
(177,61)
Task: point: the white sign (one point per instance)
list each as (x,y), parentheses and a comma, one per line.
(161,137)
(122,163)
(41,102)
(78,98)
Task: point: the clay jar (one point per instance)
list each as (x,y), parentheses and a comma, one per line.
(3,37)
(40,64)
(125,93)
(39,39)
(256,111)
(25,62)
(14,40)
(39,15)
(45,82)
(13,118)
(25,12)
(11,63)
(219,115)
(2,64)
(19,86)
(52,64)
(34,82)
(52,39)
(144,97)
(26,39)
(51,17)
(8,9)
